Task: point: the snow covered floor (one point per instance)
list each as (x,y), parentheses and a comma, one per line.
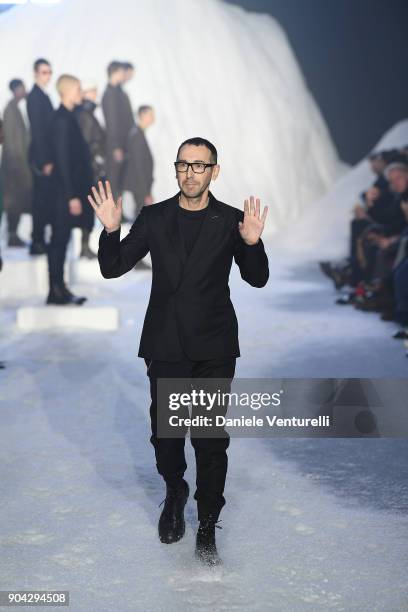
(310,524)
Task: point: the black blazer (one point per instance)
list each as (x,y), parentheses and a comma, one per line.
(189,306)
(73,166)
(40,113)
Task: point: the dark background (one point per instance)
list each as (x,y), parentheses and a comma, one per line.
(354,56)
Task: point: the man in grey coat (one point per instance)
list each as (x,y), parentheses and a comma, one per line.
(138,178)
(119,120)
(15,169)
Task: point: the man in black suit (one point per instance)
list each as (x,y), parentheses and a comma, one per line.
(190,329)
(40,113)
(73,176)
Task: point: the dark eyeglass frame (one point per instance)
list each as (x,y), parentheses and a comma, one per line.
(192,164)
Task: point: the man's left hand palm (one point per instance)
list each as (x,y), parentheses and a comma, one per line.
(252,226)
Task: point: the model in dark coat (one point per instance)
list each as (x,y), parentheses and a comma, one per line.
(119,120)
(73,176)
(73,166)
(15,170)
(40,112)
(94,136)
(138,178)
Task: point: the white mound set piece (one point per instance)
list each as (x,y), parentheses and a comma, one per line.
(240,87)
(323,229)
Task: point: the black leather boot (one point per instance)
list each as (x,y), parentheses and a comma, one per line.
(38,248)
(206,550)
(171,522)
(85,248)
(15,241)
(60,295)
(75,298)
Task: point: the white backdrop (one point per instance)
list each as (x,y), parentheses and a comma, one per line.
(209,69)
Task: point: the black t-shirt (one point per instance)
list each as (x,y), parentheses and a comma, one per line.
(189,224)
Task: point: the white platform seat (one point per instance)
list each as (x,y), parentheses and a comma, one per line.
(34,318)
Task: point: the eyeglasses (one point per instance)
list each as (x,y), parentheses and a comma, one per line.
(198,167)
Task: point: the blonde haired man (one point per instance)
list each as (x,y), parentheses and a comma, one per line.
(73,175)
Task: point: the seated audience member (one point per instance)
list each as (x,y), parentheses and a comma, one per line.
(388,242)
(377,213)
(349,272)
(377,243)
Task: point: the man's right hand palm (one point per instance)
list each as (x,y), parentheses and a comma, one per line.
(108,212)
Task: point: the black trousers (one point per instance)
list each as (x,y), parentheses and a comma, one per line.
(61,226)
(13,220)
(210,452)
(43,203)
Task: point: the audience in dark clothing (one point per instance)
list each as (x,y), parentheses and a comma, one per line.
(376,269)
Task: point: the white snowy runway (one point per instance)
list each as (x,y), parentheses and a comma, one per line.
(303,527)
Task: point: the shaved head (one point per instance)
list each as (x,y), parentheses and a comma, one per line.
(65,83)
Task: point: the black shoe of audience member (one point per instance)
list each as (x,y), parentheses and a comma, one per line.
(60,295)
(401,334)
(2,365)
(15,241)
(341,277)
(171,523)
(206,549)
(325,267)
(336,274)
(38,248)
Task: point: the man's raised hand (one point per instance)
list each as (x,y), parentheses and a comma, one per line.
(108,213)
(252,226)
